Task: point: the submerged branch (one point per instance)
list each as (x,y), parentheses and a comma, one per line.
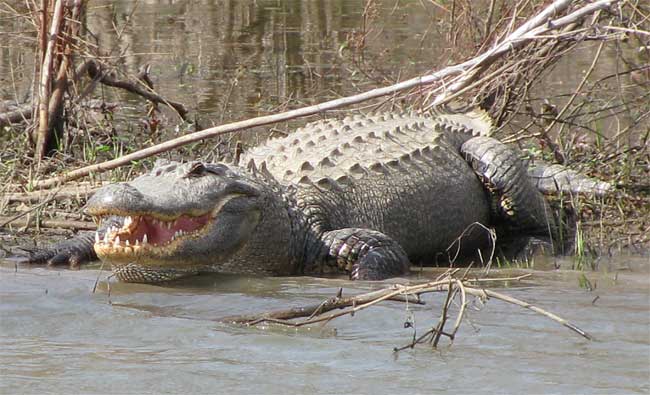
(315,310)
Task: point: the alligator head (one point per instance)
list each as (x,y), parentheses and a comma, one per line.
(174,220)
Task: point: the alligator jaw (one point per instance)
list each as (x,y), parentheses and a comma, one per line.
(148,236)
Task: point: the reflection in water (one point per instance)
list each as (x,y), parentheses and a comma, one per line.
(244,57)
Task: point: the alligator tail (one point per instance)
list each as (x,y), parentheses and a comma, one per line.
(554,179)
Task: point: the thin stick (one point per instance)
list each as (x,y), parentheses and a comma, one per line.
(443,317)
(461,310)
(526,305)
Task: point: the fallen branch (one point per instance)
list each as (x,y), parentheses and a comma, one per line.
(535,29)
(31,222)
(320,312)
(76,191)
(97,72)
(18,115)
(337,302)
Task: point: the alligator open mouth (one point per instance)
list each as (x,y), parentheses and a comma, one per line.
(144,235)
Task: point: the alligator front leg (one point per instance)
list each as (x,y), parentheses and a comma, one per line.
(364,254)
(74,251)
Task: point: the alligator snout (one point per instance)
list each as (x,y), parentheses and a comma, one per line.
(115,198)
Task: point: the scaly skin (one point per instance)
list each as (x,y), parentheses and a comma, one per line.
(367,196)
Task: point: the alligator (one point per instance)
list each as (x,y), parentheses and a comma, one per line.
(366,196)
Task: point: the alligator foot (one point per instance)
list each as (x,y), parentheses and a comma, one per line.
(72,252)
(365,254)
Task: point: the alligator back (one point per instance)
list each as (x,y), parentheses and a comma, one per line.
(401,174)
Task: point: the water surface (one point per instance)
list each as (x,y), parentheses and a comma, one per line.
(56,335)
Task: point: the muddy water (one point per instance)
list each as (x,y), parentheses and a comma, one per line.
(58,336)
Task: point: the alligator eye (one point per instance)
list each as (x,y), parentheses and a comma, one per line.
(197,170)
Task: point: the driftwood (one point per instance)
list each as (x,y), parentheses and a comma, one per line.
(321,312)
(446,83)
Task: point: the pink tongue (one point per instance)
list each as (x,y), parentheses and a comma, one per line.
(160,234)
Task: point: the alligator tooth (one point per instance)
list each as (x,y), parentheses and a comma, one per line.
(106,237)
(96,237)
(127,242)
(117,240)
(144,239)
(169,225)
(137,242)
(127,221)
